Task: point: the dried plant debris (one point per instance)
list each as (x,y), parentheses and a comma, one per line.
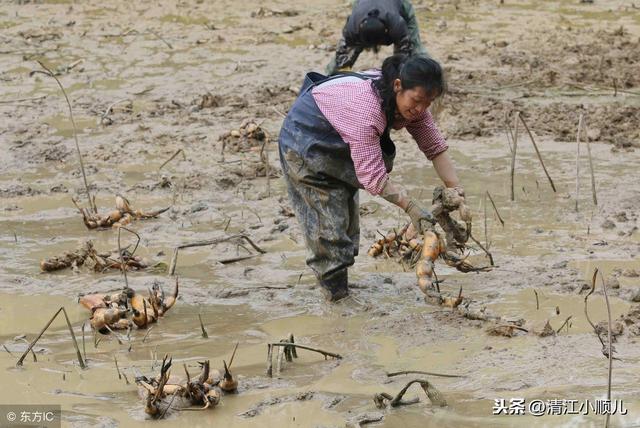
(121,216)
(477,312)
(286,349)
(68,259)
(251,169)
(328,401)
(364,418)
(383,399)
(506,330)
(88,256)
(249,136)
(547,330)
(208,101)
(263,12)
(631,320)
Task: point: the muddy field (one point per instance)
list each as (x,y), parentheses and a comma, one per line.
(147,79)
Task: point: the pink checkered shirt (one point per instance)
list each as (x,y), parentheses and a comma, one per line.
(353,108)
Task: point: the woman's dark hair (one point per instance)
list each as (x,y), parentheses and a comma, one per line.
(413,71)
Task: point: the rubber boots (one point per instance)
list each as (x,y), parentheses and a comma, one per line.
(336,286)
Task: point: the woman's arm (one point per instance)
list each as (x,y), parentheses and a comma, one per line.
(445,169)
(395,194)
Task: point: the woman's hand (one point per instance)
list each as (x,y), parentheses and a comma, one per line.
(397,196)
(460,190)
(418,216)
(465,212)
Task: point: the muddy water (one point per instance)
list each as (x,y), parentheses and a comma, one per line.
(355,329)
(544,245)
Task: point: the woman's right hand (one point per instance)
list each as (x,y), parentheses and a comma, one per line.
(418,215)
(397,196)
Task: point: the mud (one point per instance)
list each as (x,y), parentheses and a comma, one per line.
(147,80)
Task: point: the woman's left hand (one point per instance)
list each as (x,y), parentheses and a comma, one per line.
(465,212)
(460,190)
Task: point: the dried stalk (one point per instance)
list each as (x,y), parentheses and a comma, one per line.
(159,37)
(606,298)
(173,397)
(236,259)
(421,372)
(279,359)
(578,160)
(433,394)
(73,337)
(535,146)
(269,360)
(381,399)
(509,131)
(495,209)
(22,100)
(292,349)
(586,312)
(84,350)
(174,258)
(264,156)
(204,332)
(484,209)
(593,178)
(513,155)
(110,107)
(96,339)
(287,353)
(117,368)
(184,157)
(483,249)
(290,346)
(147,334)
(49,73)
(122,266)
(278,111)
(513,326)
(35,359)
(564,323)
(233,354)
(308,348)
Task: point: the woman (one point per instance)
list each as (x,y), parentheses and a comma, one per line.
(335,140)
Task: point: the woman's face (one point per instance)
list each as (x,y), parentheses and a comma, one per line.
(412,103)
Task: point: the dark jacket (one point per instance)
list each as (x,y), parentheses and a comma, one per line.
(388,11)
(400,21)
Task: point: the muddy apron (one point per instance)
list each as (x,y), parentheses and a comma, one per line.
(322,182)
